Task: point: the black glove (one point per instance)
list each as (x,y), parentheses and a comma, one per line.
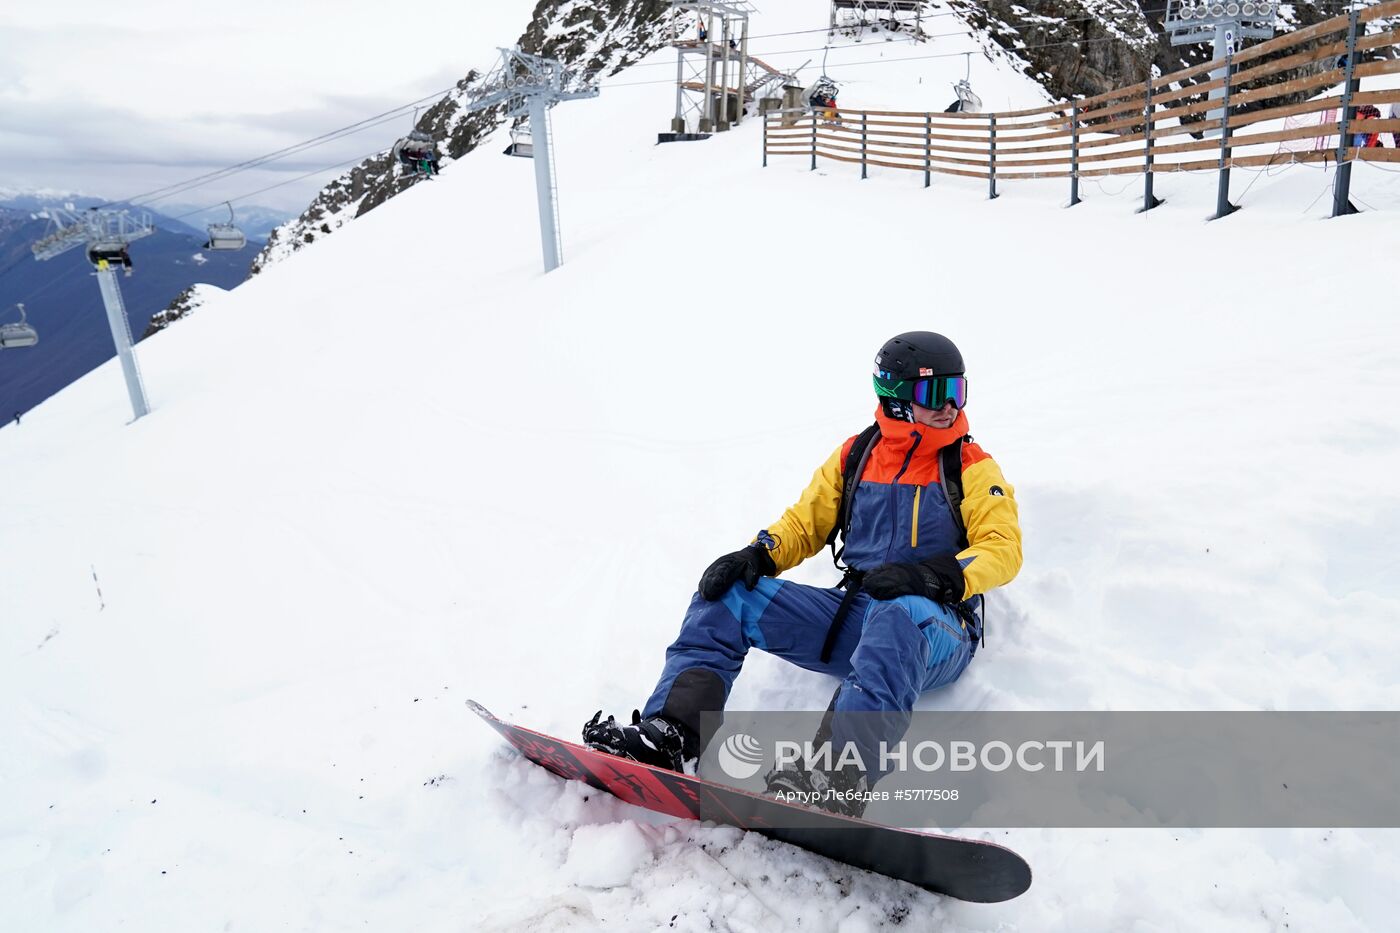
(747,565)
(938,578)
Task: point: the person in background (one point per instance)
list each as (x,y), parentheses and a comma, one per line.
(1367,140)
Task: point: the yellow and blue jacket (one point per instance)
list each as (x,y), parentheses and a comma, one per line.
(900,512)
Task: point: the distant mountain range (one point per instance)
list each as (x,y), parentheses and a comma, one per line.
(63,302)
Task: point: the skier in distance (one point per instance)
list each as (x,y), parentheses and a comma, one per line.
(931,525)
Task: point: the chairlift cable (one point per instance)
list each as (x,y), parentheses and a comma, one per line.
(250,194)
(893,61)
(328,136)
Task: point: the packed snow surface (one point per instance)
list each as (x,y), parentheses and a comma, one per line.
(405,468)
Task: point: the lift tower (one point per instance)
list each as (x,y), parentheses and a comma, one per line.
(712,63)
(106,232)
(529,84)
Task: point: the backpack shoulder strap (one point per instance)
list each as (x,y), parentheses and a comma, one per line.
(950,478)
(851,470)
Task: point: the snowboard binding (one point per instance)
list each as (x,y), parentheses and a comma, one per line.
(653,741)
(842,791)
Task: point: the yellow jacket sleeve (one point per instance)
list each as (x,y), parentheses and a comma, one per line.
(993,555)
(805,526)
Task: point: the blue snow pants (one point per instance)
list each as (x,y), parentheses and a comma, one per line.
(886,654)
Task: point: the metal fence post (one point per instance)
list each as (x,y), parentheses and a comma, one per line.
(1074,154)
(862,146)
(814,142)
(928,148)
(1341,185)
(1223,207)
(1149,201)
(992,165)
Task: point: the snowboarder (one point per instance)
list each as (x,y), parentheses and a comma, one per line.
(920,545)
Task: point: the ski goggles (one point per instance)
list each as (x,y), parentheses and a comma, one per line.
(931,392)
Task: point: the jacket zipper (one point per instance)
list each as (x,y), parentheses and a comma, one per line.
(910,455)
(914,531)
(894,532)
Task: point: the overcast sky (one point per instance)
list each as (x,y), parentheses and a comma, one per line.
(117,98)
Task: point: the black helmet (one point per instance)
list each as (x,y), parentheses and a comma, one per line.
(919,354)
(919,367)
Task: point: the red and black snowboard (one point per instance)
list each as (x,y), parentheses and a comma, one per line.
(963,868)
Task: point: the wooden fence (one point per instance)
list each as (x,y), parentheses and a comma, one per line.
(1123,132)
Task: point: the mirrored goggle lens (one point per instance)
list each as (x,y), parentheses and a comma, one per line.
(933,392)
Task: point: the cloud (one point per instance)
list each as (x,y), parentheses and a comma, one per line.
(122,98)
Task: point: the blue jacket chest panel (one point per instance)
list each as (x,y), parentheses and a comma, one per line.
(883,522)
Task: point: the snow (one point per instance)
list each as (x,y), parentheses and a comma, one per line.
(405,468)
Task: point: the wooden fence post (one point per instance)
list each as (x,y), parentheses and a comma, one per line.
(814,141)
(765,140)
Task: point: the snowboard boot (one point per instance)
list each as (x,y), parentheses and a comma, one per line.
(652,741)
(842,791)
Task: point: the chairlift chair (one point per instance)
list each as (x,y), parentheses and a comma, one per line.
(417,153)
(112,252)
(16,335)
(225,236)
(522,144)
(968,101)
(821,93)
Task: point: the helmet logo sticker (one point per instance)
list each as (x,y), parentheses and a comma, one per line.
(925,371)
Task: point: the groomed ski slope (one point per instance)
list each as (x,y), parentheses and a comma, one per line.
(403,468)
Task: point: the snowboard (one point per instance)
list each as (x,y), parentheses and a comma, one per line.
(967,869)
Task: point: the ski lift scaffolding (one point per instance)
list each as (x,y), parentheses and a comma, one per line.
(16,335)
(853,17)
(226,236)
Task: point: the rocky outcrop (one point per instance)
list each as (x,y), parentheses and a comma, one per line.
(1070,47)
(1081,48)
(599,38)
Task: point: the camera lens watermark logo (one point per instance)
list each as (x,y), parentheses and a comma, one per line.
(741,756)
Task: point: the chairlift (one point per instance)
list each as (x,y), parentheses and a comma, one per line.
(111,253)
(522,144)
(417,152)
(22,334)
(968,101)
(226,236)
(821,94)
